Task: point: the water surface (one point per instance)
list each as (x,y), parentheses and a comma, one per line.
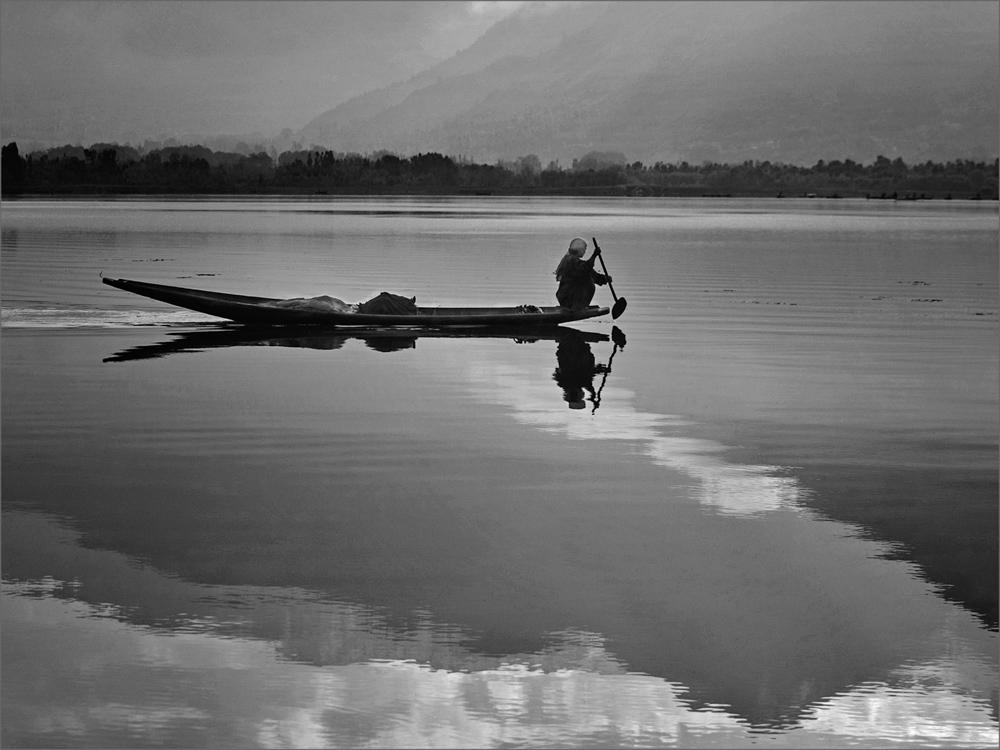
(773,522)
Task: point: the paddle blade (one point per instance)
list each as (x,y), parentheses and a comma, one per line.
(619,308)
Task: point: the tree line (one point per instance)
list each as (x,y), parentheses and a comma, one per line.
(114,169)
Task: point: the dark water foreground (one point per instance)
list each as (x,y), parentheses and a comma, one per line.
(773,522)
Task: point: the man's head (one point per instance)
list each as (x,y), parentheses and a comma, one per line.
(578,246)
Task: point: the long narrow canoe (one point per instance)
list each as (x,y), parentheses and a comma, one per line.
(269,311)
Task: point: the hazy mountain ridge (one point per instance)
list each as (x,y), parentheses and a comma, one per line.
(519,35)
(720,81)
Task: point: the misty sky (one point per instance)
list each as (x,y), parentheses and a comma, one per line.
(112,70)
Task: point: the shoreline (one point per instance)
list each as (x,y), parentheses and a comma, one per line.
(621,191)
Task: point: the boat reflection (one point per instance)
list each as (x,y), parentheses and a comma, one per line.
(313,337)
(575,370)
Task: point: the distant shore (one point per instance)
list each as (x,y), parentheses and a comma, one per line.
(612,191)
(606,191)
(108,169)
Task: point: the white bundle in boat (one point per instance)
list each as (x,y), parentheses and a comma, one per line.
(323,303)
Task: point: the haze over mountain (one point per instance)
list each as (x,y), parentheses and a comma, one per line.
(86,71)
(721,81)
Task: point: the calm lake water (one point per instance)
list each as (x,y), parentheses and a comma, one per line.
(774,523)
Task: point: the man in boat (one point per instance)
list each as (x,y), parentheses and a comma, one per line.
(577,277)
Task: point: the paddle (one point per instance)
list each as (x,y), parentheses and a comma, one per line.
(619,338)
(620,302)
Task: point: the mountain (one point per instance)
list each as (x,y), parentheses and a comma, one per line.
(529,33)
(722,81)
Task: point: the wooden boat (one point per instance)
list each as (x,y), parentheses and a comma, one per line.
(270,311)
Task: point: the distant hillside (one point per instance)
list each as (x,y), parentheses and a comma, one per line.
(720,81)
(523,35)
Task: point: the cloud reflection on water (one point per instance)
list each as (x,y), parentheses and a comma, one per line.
(730,489)
(260,699)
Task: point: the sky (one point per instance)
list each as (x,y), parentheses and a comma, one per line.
(114,69)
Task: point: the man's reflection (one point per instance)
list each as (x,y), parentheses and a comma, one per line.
(576,370)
